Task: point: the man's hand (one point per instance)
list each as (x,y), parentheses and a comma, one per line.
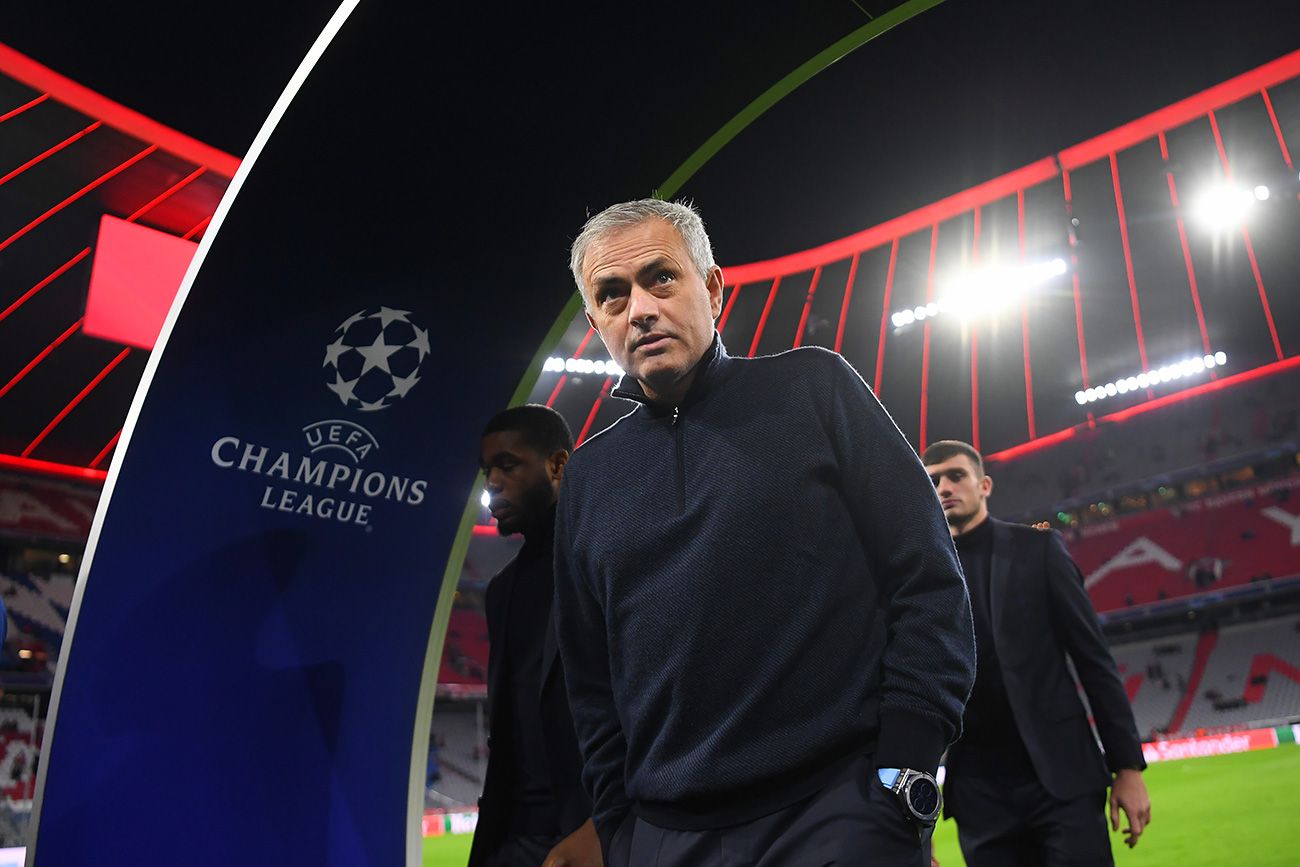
(1129,793)
(582,849)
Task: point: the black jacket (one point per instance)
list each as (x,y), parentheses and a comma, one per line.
(1040,615)
(754,588)
(562,757)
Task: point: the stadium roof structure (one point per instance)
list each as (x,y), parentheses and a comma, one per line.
(1144,266)
(1119,277)
(68,156)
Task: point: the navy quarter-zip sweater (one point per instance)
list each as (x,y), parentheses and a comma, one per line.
(753,588)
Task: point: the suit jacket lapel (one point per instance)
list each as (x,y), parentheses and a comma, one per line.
(550,653)
(1000,573)
(497,650)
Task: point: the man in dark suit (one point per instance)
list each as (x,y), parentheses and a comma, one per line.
(1026,783)
(534,811)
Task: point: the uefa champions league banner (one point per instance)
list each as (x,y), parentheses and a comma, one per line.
(248,668)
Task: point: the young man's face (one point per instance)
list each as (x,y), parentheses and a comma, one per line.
(650,305)
(521,481)
(961,487)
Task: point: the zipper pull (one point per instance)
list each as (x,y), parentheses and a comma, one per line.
(677,411)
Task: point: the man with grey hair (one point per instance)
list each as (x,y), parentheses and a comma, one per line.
(766,636)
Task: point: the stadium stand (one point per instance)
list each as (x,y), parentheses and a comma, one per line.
(1155,674)
(17,755)
(1224,540)
(39,606)
(465,654)
(462,757)
(18,763)
(1227,427)
(1252,676)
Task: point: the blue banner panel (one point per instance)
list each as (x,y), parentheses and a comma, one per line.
(243,663)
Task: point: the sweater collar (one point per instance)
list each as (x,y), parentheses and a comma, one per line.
(977,537)
(708,374)
(539,540)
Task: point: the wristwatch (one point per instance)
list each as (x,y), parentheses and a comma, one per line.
(917,791)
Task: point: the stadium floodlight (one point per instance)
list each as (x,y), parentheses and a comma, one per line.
(983,291)
(1225,206)
(1193,366)
(582,365)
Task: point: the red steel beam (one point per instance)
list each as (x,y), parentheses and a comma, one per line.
(1277,129)
(199,227)
(166,194)
(925,340)
(844,305)
(807,307)
(1024,320)
(32,103)
(57,273)
(1128,263)
(1233,90)
(917,220)
(102,179)
(51,151)
(1263,296)
(1074,277)
(72,404)
(1185,110)
(884,315)
(555,392)
(1187,253)
(1149,405)
(41,356)
(726,310)
(50,468)
(106,450)
(577,353)
(974,348)
(116,115)
(1250,248)
(762,320)
(595,408)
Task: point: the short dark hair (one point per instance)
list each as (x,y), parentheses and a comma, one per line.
(543,428)
(938,452)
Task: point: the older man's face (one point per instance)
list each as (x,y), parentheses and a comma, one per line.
(650,305)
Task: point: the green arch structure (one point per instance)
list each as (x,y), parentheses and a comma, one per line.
(460,547)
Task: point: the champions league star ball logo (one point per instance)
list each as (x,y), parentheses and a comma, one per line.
(375,358)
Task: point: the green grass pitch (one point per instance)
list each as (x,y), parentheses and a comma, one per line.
(1209,812)
(449,851)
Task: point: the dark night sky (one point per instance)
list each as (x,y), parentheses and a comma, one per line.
(964,92)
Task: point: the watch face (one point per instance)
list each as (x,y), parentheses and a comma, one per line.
(923,795)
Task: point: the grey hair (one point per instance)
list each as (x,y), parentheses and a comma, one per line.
(681,215)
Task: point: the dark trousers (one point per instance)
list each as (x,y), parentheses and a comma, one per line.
(518,851)
(1021,825)
(852,822)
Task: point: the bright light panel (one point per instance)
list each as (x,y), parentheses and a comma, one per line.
(133,281)
(984,291)
(581,365)
(1167,373)
(1227,205)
